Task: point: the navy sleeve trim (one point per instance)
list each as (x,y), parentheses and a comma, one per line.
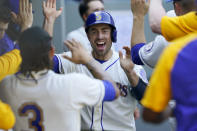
(61,70)
(56,64)
(110,92)
(135,53)
(138,91)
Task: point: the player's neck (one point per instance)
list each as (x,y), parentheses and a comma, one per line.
(103,57)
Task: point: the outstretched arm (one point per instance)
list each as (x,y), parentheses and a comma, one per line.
(139,9)
(25,17)
(81,56)
(51,14)
(156,12)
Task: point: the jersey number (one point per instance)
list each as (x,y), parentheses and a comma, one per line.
(36,121)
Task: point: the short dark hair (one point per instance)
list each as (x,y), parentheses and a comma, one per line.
(83,6)
(5,14)
(35,44)
(187,5)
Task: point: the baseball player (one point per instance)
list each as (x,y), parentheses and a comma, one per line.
(172,28)
(86,7)
(177,70)
(117,115)
(43,100)
(149,53)
(10,61)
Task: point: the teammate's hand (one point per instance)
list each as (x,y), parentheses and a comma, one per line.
(25,17)
(49,10)
(139,8)
(126,63)
(79,54)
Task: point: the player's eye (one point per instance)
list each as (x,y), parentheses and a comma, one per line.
(93,32)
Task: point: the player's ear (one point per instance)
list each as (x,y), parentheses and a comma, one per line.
(88,36)
(52,52)
(85,17)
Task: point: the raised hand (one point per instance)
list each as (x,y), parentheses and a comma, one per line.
(126,63)
(49,10)
(79,54)
(25,16)
(140,7)
(128,66)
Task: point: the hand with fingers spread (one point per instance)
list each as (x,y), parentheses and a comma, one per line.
(126,63)
(25,16)
(51,14)
(140,7)
(79,54)
(49,10)
(128,67)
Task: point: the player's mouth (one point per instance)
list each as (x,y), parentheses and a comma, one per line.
(100,45)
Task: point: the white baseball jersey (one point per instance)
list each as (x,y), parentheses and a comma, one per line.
(52,102)
(80,36)
(116,115)
(150,53)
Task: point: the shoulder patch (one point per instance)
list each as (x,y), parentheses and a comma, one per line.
(148,47)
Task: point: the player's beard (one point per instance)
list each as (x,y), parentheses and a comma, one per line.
(102,55)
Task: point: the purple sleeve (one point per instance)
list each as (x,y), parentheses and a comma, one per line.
(135,53)
(56,64)
(110,92)
(6,45)
(14,5)
(16,46)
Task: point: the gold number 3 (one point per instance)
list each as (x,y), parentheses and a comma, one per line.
(36,122)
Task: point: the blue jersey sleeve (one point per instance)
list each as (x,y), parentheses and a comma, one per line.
(135,53)
(110,92)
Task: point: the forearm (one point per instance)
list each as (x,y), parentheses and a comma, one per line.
(156,12)
(94,67)
(139,89)
(48,26)
(132,77)
(138,86)
(138,35)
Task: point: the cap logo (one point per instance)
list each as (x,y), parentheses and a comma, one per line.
(98,16)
